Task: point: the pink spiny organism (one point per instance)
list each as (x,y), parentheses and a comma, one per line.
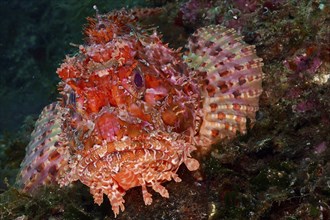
(132,110)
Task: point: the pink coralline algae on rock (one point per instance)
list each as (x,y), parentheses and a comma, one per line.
(320,148)
(308,60)
(193,11)
(132,110)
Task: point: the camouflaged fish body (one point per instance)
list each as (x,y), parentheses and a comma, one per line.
(132,109)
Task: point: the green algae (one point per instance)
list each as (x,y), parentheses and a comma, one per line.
(279,170)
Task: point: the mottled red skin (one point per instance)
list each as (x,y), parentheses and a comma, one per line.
(132,110)
(127,85)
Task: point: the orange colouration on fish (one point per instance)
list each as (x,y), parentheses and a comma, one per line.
(132,110)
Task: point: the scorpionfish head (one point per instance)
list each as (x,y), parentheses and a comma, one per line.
(125,83)
(132,107)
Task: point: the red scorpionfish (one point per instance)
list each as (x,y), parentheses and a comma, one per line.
(132,109)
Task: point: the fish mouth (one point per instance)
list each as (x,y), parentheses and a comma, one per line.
(159,152)
(114,167)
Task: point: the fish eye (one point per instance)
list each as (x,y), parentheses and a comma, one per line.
(138,81)
(101,26)
(72,99)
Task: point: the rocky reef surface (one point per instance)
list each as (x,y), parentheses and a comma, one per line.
(279,170)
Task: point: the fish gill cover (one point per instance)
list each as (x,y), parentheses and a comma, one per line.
(279,169)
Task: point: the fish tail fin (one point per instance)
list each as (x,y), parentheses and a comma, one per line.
(45,154)
(230,78)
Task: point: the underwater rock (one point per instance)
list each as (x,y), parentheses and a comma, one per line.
(132,110)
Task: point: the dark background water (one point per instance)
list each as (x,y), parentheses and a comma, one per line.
(35,37)
(279,170)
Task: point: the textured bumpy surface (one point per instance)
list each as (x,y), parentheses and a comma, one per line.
(44,154)
(232,81)
(132,110)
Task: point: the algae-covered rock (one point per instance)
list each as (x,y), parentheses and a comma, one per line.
(279,170)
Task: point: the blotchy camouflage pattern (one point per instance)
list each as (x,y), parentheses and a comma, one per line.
(132,109)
